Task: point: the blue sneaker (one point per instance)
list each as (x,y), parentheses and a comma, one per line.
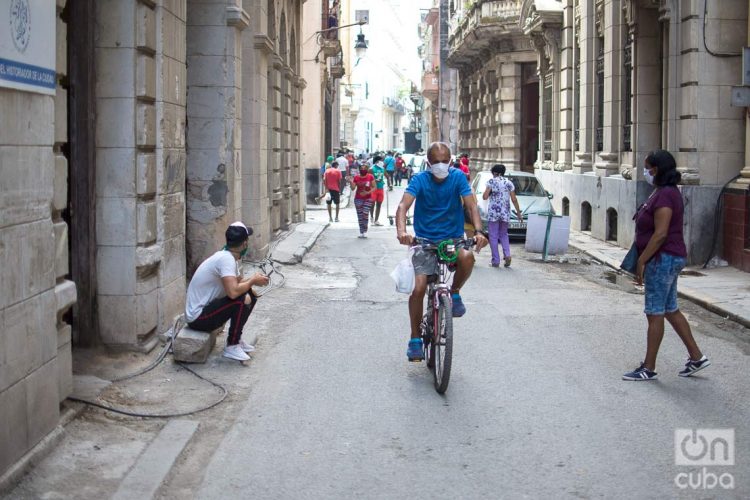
(459,309)
(415,352)
(640,373)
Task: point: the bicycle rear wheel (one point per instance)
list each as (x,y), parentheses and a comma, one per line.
(442,344)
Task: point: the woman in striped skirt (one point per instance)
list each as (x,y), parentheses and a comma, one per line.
(364,183)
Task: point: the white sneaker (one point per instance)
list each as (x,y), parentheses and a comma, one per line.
(235,352)
(361,236)
(246,347)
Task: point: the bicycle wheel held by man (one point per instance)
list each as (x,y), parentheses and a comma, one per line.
(661,257)
(438,216)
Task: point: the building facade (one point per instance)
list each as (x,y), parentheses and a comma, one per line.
(614,80)
(169,119)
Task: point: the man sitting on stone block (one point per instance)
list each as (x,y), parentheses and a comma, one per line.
(218,292)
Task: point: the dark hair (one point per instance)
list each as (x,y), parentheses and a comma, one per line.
(377,158)
(235,236)
(666,168)
(498,168)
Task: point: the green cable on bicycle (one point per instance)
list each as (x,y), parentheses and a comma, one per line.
(443,255)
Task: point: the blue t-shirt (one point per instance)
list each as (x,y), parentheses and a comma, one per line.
(438,211)
(390,163)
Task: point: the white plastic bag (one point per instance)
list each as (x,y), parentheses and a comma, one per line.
(328,197)
(403,275)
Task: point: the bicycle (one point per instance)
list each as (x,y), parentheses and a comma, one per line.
(436,327)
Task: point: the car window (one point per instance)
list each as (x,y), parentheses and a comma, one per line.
(527,186)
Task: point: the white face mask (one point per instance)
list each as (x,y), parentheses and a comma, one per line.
(439,170)
(380,164)
(649,178)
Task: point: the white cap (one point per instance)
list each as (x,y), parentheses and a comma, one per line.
(240,224)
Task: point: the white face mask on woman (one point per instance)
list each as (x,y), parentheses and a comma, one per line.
(439,170)
(648,177)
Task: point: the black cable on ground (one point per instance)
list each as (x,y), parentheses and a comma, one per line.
(717,220)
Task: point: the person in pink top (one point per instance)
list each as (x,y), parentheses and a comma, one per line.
(364,183)
(332,180)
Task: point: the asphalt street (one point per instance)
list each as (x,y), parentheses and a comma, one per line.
(535,407)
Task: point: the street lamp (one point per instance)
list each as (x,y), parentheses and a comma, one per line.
(360,46)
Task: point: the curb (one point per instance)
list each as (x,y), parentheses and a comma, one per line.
(299,254)
(693,296)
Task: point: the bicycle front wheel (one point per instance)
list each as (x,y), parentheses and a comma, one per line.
(442,344)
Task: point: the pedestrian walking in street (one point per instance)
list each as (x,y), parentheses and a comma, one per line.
(364,183)
(390,168)
(661,257)
(500,192)
(400,169)
(332,182)
(438,216)
(218,293)
(463,166)
(378,194)
(343,166)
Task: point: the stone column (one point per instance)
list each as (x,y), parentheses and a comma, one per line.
(165,174)
(608,161)
(286,132)
(510,115)
(256,49)
(744,181)
(584,157)
(128,256)
(298,174)
(275,146)
(566,144)
(214,124)
(646,134)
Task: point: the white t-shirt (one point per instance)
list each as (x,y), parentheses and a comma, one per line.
(343,164)
(206,285)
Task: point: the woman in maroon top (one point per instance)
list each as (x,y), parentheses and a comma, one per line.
(661,257)
(364,183)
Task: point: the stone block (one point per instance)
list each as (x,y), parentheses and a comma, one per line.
(145,27)
(173,262)
(33,271)
(211,40)
(145,76)
(724,135)
(172,215)
(61,57)
(42,401)
(61,115)
(147,313)
(171,302)
(34,113)
(724,107)
(172,179)
(207,133)
(145,173)
(61,249)
(117,319)
(210,70)
(174,35)
(178,8)
(115,20)
(146,284)
(115,172)
(27,184)
(60,185)
(116,221)
(14,431)
(207,15)
(64,334)
(64,371)
(192,346)
(114,116)
(148,256)
(115,72)
(146,225)
(208,102)
(65,296)
(145,124)
(115,270)
(173,125)
(174,78)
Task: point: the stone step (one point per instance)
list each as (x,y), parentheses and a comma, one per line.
(193,346)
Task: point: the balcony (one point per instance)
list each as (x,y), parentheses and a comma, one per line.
(430,85)
(486,25)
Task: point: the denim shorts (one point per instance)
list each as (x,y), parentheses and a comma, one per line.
(660,278)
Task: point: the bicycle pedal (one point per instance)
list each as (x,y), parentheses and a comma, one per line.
(417,360)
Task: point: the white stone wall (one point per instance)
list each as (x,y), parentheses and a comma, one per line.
(34,339)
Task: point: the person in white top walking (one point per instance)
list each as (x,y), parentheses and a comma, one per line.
(219,293)
(500,192)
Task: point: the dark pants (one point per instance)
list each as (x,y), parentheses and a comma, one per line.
(216,313)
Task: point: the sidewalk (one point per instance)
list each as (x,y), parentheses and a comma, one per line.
(722,290)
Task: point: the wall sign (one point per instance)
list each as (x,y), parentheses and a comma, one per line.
(28,45)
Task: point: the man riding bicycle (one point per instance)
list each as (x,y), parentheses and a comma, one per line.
(438,216)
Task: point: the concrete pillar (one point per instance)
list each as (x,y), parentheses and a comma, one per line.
(510,115)
(646,88)
(275,146)
(608,160)
(744,181)
(214,113)
(565,144)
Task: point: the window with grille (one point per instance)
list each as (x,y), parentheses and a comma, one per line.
(600,95)
(547,145)
(627,128)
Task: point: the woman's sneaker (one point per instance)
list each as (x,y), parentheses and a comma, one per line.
(641,373)
(694,366)
(415,351)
